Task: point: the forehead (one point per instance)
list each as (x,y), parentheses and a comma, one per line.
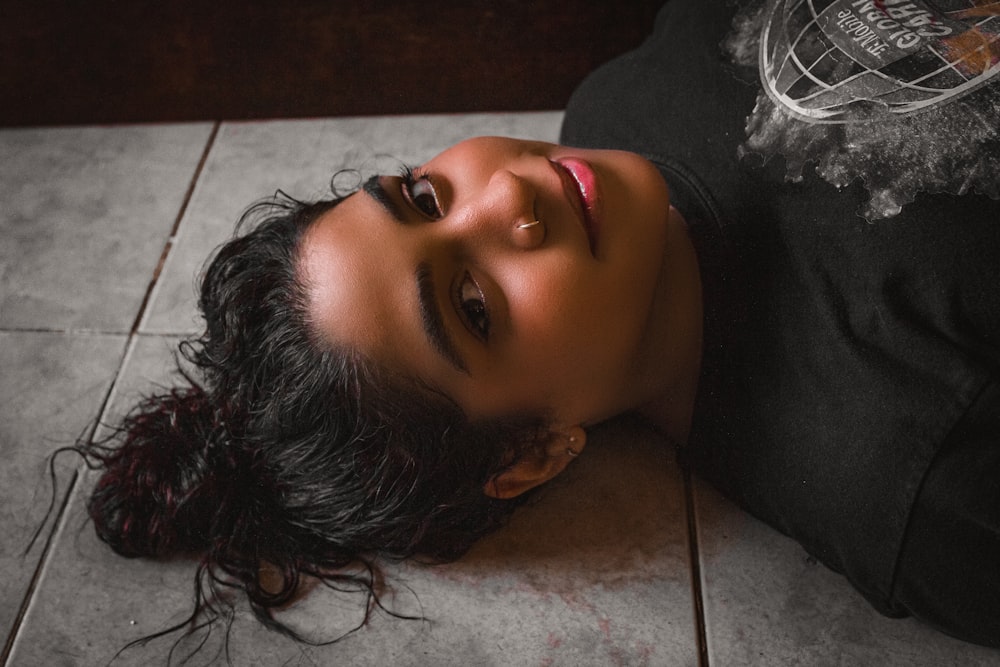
(353,278)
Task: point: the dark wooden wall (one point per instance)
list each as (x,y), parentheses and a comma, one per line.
(145,60)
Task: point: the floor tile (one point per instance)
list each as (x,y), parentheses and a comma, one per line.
(51,388)
(85,217)
(250,161)
(593,573)
(87,597)
(767,603)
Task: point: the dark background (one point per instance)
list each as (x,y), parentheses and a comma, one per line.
(140,60)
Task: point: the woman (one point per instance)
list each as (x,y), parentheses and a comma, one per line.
(387,374)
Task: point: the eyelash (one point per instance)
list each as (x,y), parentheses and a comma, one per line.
(413,179)
(472,307)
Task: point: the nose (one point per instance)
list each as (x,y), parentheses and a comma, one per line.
(503,213)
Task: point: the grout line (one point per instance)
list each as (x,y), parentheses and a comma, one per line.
(168,246)
(60,514)
(695,557)
(97,332)
(37,573)
(65,331)
(105,406)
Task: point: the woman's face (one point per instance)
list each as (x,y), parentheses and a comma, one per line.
(444,278)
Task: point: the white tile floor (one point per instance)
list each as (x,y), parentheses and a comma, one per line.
(598,572)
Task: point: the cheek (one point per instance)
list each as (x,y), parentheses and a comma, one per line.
(564,319)
(544,295)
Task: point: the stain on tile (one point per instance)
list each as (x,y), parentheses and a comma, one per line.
(594,572)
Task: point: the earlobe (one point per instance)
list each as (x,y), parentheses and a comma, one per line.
(536,468)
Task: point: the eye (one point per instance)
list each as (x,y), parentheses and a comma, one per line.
(472,307)
(419,192)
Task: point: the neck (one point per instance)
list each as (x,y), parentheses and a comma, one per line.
(671,405)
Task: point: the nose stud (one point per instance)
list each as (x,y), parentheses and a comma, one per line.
(528,225)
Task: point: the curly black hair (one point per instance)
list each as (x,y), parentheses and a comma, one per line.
(282,453)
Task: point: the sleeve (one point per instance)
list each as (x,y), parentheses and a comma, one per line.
(948,573)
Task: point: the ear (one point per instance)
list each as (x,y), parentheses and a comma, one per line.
(535,468)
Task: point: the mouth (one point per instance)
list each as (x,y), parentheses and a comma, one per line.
(580,184)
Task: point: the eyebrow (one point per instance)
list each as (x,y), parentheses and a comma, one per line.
(433,323)
(430,313)
(373,188)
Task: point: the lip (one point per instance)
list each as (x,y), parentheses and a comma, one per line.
(580,182)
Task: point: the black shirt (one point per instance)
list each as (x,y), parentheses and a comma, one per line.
(841,355)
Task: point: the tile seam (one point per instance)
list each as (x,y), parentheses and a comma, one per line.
(60,514)
(168,246)
(29,594)
(63,332)
(695,558)
(132,334)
